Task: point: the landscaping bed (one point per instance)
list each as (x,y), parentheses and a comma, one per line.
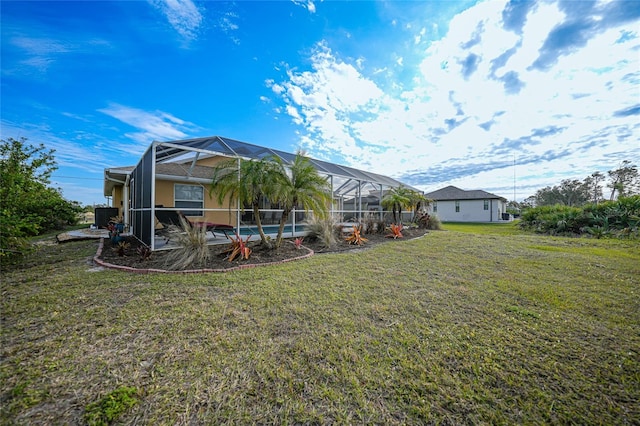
(130,256)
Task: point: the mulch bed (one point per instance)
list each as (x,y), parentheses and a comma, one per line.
(133,261)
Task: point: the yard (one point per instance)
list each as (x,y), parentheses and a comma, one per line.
(471,325)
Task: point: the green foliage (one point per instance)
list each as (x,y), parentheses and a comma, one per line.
(623,182)
(618,218)
(28,206)
(397,199)
(298,185)
(246,182)
(111,406)
(295,185)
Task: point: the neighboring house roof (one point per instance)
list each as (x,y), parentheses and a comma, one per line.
(450,193)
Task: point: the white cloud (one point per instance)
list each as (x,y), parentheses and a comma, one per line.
(474,102)
(307,4)
(183,15)
(38,53)
(151,126)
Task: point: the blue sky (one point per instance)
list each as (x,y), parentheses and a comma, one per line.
(432,93)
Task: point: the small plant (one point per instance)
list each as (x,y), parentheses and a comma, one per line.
(144,252)
(323,230)
(355,237)
(380,226)
(114,233)
(298,242)
(369,225)
(396,231)
(238,248)
(111,406)
(122,248)
(192,241)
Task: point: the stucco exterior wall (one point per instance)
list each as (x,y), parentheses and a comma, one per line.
(116,199)
(165,195)
(470,211)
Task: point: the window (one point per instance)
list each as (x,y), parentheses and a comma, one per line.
(486,204)
(189,197)
(435,207)
(457,206)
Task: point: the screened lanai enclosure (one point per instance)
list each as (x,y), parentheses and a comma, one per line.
(176,176)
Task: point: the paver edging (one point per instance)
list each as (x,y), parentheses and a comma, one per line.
(98,261)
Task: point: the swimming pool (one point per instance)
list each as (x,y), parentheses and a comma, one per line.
(270,229)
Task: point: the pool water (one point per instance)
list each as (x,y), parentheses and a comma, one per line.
(270,229)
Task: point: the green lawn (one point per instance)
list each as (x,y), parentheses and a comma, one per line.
(500,228)
(462,326)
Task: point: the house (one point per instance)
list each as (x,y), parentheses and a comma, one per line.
(176,175)
(452,204)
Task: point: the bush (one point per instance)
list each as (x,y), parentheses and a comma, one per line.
(193,248)
(29,206)
(323,230)
(618,218)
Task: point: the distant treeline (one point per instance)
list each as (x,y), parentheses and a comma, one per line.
(623,181)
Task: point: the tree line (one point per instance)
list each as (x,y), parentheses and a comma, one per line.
(622,181)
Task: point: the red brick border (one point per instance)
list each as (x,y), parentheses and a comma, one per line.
(98,261)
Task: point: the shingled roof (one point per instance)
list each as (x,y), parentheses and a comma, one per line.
(453,193)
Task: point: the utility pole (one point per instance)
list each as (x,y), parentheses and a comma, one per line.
(514,178)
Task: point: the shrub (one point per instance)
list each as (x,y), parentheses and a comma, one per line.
(323,230)
(28,205)
(369,225)
(620,218)
(193,249)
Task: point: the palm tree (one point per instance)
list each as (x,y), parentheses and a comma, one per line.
(299,185)
(418,200)
(245,181)
(396,199)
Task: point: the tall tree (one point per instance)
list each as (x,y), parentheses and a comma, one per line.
(418,201)
(28,205)
(594,183)
(246,182)
(299,185)
(570,192)
(625,180)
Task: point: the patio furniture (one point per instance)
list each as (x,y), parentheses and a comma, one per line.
(172,217)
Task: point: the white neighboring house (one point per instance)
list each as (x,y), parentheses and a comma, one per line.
(453,204)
